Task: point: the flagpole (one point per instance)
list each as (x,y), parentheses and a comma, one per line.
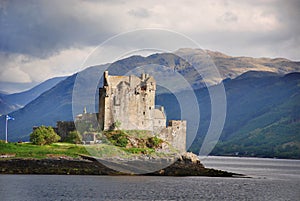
(6,119)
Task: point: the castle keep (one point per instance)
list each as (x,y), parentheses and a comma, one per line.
(130,100)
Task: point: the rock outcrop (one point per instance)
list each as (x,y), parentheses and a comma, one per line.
(187,165)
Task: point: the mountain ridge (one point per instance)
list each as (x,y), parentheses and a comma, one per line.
(12,102)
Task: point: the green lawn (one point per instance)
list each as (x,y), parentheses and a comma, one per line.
(28,150)
(115,144)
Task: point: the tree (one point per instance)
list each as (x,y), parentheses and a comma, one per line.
(44,135)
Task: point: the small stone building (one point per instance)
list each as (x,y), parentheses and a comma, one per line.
(63,128)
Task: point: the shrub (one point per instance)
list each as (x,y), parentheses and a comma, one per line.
(154,142)
(73,137)
(44,135)
(117,125)
(117,138)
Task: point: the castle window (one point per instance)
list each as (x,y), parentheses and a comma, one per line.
(116,101)
(144,113)
(149,108)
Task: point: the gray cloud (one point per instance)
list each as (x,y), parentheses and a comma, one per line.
(139,12)
(36,35)
(41,28)
(228,17)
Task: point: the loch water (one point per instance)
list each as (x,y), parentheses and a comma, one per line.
(269,179)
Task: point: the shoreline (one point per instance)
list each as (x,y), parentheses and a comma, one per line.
(187,165)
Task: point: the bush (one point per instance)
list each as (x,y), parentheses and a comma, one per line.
(117,138)
(117,125)
(44,135)
(73,137)
(154,142)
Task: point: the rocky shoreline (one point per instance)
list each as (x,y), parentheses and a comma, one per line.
(186,165)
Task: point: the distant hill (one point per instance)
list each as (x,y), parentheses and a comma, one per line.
(5,107)
(49,107)
(263,117)
(12,102)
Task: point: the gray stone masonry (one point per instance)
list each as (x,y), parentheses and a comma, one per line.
(130,100)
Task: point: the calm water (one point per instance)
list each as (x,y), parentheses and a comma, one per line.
(272,179)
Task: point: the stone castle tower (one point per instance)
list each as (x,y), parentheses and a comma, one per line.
(130,100)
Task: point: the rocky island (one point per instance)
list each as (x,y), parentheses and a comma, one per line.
(187,165)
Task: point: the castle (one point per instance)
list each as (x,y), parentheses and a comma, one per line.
(130,100)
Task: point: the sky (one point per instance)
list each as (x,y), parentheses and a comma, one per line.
(44,39)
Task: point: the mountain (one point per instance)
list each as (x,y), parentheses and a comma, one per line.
(252,98)
(15,87)
(12,102)
(231,67)
(2,93)
(263,116)
(49,107)
(6,107)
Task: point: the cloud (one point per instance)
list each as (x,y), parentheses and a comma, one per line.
(139,12)
(228,17)
(41,28)
(14,74)
(45,38)
(23,68)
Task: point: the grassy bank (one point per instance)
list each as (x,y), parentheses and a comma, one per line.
(117,143)
(28,150)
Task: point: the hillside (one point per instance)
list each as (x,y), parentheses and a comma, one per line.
(12,102)
(6,107)
(49,107)
(263,117)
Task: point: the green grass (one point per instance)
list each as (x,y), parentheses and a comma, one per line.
(140,150)
(28,150)
(106,150)
(116,145)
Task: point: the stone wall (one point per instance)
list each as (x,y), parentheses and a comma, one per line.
(175,134)
(63,128)
(129,100)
